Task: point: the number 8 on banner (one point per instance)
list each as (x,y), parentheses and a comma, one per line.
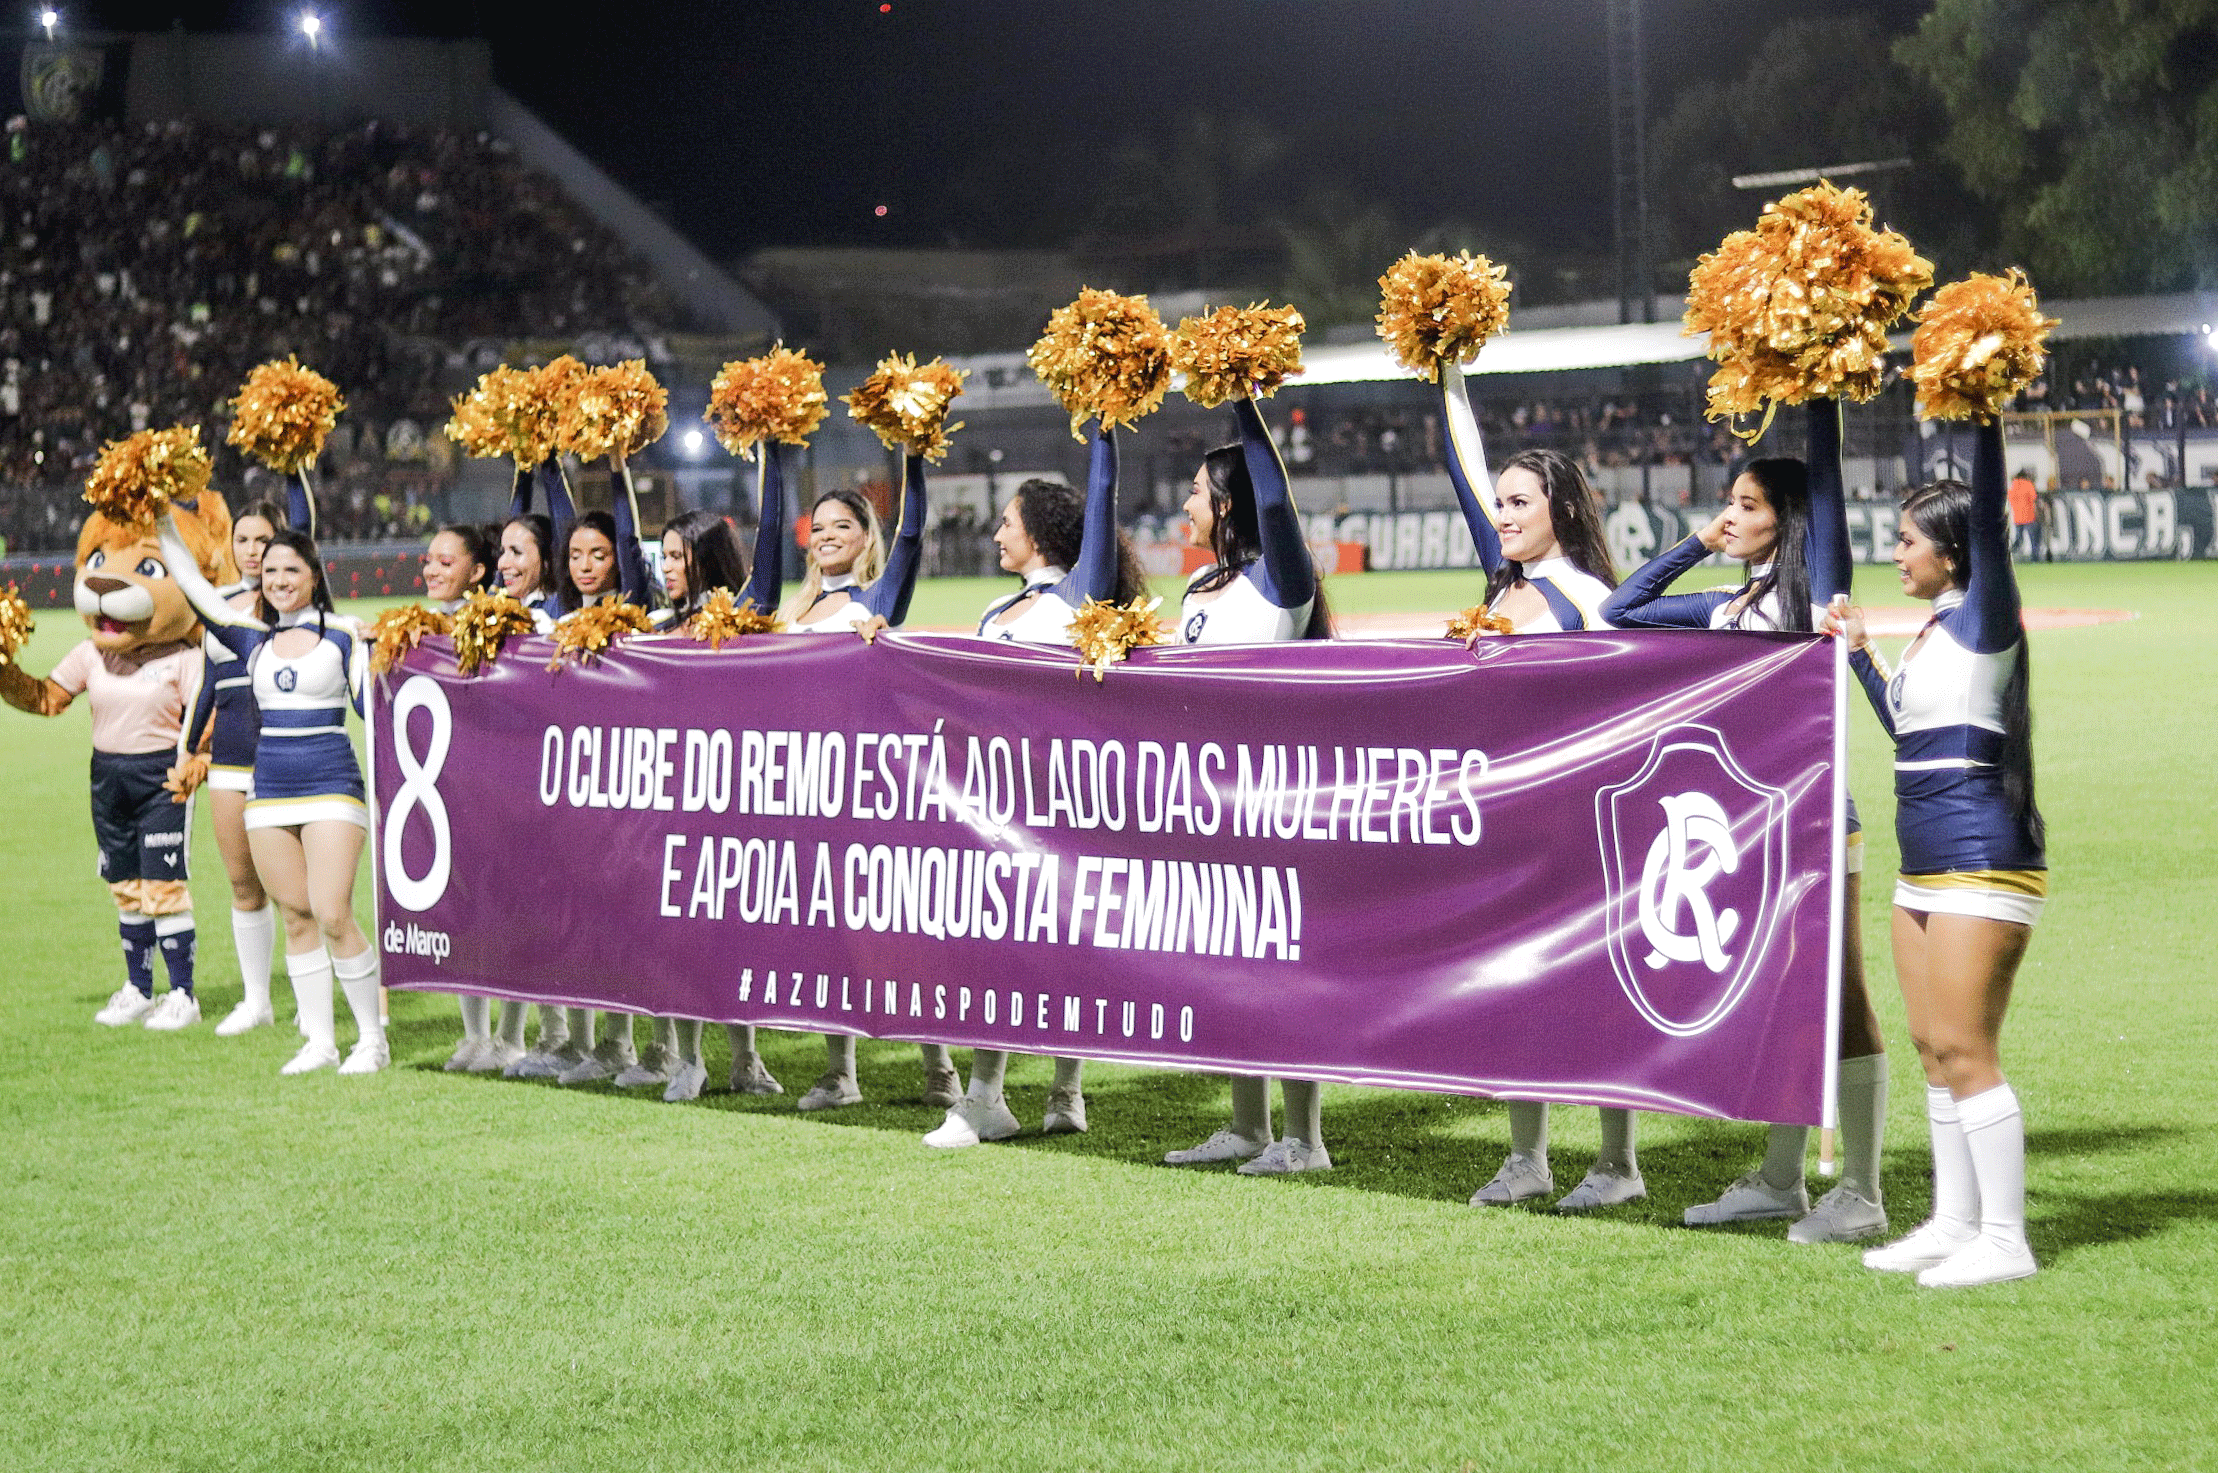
(419,790)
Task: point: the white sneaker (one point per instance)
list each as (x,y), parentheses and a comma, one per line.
(125,1005)
(1841,1216)
(312,1056)
(971,1121)
(830,1092)
(750,1076)
(465,1055)
(635,1075)
(1521,1179)
(1750,1199)
(1601,1188)
(943,1087)
(586,1070)
(686,1083)
(245,1017)
(1985,1260)
(495,1057)
(1926,1246)
(176,1010)
(1285,1156)
(367,1057)
(1066,1113)
(1225,1145)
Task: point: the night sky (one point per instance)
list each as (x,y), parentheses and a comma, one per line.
(984,123)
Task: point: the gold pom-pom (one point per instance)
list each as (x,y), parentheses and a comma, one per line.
(283,413)
(778,396)
(1441,309)
(616,412)
(1475,621)
(1238,352)
(1978,343)
(516,412)
(398,630)
(1798,308)
(1104,633)
(484,623)
(1105,356)
(722,619)
(139,475)
(16,623)
(905,405)
(594,630)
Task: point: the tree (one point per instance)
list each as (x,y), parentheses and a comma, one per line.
(2092,126)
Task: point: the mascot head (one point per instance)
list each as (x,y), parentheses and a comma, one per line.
(124,588)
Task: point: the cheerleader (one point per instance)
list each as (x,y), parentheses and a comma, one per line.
(225,714)
(1261,589)
(306,822)
(854,583)
(1974,871)
(1548,571)
(1068,551)
(1788,521)
(700,553)
(525,565)
(597,561)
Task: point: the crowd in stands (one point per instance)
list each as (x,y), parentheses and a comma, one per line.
(144,268)
(2163,405)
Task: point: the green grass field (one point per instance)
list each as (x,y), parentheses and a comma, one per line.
(213,1267)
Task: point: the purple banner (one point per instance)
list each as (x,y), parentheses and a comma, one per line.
(1599,868)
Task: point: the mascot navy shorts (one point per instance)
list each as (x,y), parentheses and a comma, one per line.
(141,832)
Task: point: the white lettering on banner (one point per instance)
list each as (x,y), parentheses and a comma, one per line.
(414,940)
(419,790)
(1668,883)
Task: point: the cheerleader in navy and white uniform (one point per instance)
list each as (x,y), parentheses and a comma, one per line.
(1067,549)
(598,560)
(307,821)
(700,553)
(1538,532)
(1974,865)
(854,583)
(1788,521)
(1261,589)
(525,564)
(226,714)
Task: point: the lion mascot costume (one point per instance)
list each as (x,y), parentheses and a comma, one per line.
(139,670)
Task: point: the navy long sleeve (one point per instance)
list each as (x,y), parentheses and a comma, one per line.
(1096,573)
(1867,674)
(1832,568)
(300,503)
(560,509)
(519,496)
(1467,468)
(766,580)
(204,706)
(1641,603)
(1283,574)
(888,598)
(1990,620)
(631,566)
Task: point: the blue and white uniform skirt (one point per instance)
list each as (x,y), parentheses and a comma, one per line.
(235,733)
(305,772)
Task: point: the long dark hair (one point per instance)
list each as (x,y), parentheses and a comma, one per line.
(713,558)
(1236,537)
(1573,511)
(1786,486)
(480,542)
(541,532)
(319,596)
(1942,510)
(565,589)
(1054,516)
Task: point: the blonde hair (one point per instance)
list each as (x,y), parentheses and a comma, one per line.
(869,563)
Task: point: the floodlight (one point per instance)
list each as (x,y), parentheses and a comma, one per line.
(49,18)
(311,26)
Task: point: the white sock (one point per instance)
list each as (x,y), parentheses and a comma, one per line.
(1305,1103)
(1251,1107)
(1528,1129)
(1617,1157)
(741,1037)
(477,1017)
(839,1054)
(254,937)
(685,1037)
(936,1057)
(1070,1074)
(1863,1115)
(1955,1188)
(554,1029)
(580,1023)
(1785,1150)
(665,1036)
(1994,1137)
(988,1068)
(512,1022)
(310,972)
(358,979)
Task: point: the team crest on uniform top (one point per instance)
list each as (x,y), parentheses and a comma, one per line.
(287,677)
(1694,852)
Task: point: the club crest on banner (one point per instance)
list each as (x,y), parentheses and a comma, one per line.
(1694,851)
